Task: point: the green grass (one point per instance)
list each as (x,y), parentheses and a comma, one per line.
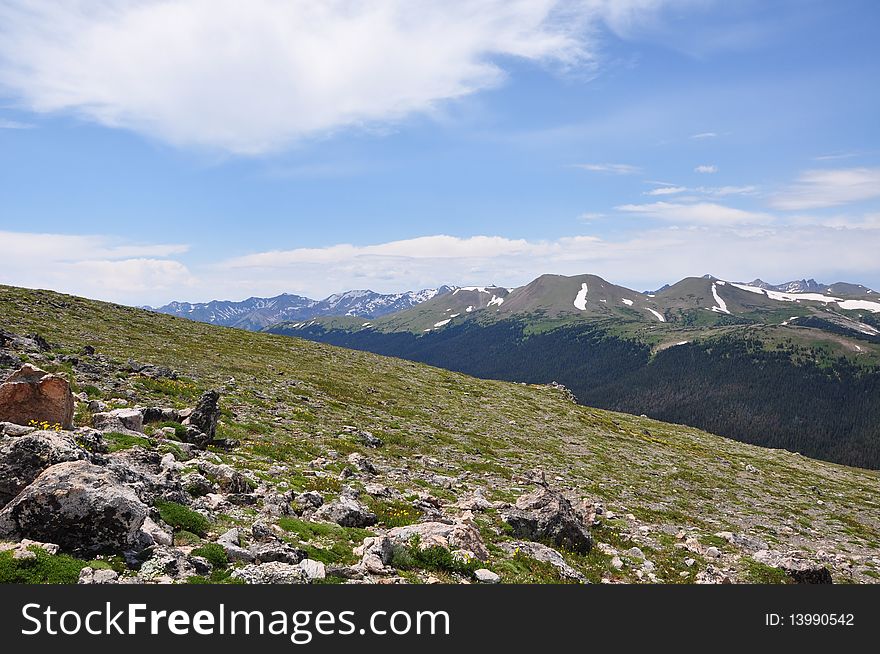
(392,513)
(434,558)
(44,569)
(214,554)
(182,518)
(759,573)
(117,442)
(324,541)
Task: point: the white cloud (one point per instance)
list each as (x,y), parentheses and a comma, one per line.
(698,213)
(102,268)
(706,169)
(816,189)
(704,135)
(94,266)
(251,77)
(642,260)
(723,191)
(13,124)
(667,190)
(615,168)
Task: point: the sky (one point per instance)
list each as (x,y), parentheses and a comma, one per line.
(158,150)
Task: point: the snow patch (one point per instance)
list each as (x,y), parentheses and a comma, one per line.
(580,300)
(658,315)
(722,305)
(470,308)
(628,303)
(495,301)
(442,322)
(873,307)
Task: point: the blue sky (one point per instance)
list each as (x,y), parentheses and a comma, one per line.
(152,151)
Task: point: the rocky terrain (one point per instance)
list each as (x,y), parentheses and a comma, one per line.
(143,448)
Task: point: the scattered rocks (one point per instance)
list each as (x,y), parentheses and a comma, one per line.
(80,506)
(31,394)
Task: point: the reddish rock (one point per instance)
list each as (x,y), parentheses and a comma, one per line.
(33,394)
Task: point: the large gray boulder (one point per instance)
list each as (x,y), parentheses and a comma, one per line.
(24,457)
(80,506)
(545,515)
(30,394)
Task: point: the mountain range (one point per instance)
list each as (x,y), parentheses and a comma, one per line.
(255,313)
(783,368)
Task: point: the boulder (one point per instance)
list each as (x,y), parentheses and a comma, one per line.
(231,544)
(23,458)
(119,420)
(225,476)
(31,394)
(544,554)
(101,576)
(459,535)
(376,553)
(545,515)
(308,500)
(276,551)
(271,573)
(205,415)
(346,511)
(11,429)
(313,569)
(79,506)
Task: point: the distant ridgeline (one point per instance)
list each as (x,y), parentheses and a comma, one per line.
(763,369)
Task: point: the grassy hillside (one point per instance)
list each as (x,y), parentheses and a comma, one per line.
(448,434)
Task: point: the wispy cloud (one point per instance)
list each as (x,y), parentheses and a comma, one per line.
(614,168)
(667,190)
(14,124)
(698,213)
(253,77)
(706,169)
(816,189)
(95,266)
(717,239)
(704,135)
(722,191)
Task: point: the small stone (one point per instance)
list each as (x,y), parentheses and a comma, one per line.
(485,576)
